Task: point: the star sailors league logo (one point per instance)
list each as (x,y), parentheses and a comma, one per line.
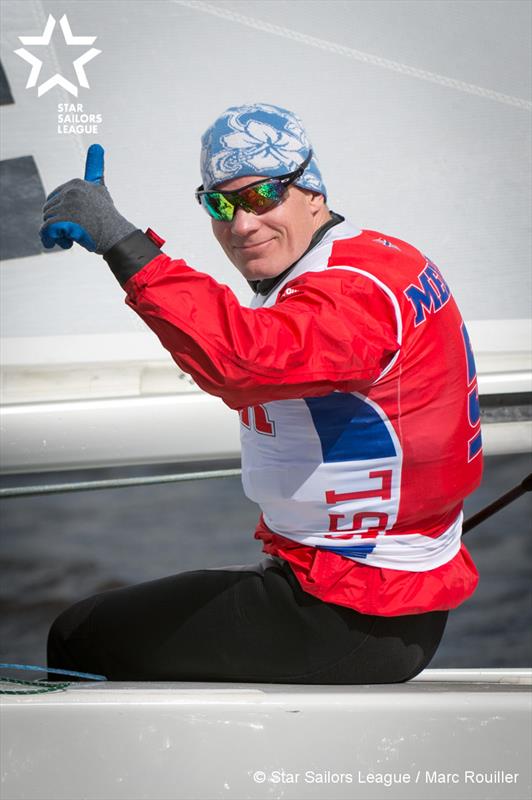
(57,79)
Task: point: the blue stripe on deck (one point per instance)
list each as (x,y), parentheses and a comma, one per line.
(349,428)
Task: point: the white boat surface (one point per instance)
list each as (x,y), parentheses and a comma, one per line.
(456,734)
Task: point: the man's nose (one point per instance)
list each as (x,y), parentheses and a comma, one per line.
(244,222)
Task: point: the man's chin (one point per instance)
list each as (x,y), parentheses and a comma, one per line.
(258,269)
(260,274)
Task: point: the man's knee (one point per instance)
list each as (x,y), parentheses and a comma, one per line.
(69,644)
(72,620)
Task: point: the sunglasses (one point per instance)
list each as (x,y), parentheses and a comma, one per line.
(257,197)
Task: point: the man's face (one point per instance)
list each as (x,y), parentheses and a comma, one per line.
(262,246)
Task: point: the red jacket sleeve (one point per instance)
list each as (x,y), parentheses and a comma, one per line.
(333,330)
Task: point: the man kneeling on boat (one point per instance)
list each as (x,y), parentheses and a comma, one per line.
(354,379)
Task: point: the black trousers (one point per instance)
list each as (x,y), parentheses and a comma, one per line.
(249,623)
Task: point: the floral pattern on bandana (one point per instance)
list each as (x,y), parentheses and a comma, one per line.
(257,139)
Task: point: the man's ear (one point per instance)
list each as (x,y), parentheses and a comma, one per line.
(317,201)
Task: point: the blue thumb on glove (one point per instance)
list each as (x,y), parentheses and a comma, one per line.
(82,211)
(94,164)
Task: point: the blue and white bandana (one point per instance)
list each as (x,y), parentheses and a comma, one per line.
(257,139)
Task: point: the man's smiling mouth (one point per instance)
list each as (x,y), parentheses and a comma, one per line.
(252,246)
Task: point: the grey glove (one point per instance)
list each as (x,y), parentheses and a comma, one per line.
(82,211)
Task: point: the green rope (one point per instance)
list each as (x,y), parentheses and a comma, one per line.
(115,483)
(37,686)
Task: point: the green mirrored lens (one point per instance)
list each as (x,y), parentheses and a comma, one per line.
(218,206)
(257,199)
(264,196)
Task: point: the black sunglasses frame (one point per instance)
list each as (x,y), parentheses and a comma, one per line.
(286,180)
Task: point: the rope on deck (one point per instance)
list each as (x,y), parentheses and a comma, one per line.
(41,686)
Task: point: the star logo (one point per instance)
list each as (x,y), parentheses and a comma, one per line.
(57,79)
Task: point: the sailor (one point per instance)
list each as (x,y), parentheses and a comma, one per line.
(354,379)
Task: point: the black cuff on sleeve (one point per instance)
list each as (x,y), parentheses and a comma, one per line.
(129,255)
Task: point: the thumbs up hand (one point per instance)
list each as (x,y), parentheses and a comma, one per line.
(82,211)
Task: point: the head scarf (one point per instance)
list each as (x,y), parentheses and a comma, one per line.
(257,139)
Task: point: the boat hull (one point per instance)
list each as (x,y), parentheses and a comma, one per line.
(447,734)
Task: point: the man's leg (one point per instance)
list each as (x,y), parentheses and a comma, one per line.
(251,623)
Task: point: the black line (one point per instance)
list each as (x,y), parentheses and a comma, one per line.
(505,399)
(6,98)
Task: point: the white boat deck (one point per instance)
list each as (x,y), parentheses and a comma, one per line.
(456,734)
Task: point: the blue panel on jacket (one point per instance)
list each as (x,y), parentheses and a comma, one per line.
(349,428)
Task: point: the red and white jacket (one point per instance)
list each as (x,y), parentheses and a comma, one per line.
(356,388)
